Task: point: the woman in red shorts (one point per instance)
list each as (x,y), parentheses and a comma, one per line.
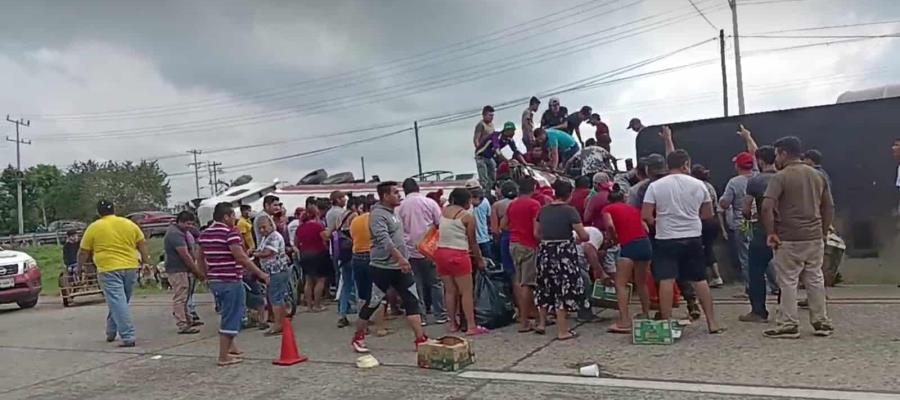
(457,248)
(624,225)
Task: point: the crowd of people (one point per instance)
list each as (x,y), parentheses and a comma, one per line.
(651,228)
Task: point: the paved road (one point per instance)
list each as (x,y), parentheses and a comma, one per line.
(51,352)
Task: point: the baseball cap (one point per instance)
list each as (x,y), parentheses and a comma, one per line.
(743,160)
(656,165)
(632,122)
(509,125)
(601,177)
(105,207)
(554,100)
(472,184)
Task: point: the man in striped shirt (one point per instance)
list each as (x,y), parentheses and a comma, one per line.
(222,262)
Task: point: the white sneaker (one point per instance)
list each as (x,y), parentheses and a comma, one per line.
(716,282)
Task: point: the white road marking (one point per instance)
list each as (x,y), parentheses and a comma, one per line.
(739,390)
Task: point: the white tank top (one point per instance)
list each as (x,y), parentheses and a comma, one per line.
(453,234)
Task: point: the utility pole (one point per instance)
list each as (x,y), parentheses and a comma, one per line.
(19,142)
(362,160)
(213,168)
(724,75)
(418,151)
(737,56)
(196,165)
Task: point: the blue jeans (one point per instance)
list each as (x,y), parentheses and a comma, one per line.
(231,299)
(362,276)
(192,308)
(348,286)
(487,250)
(740,248)
(117,289)
(426,278)
(760,256)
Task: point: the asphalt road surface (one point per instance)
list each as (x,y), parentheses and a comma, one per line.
(52,352)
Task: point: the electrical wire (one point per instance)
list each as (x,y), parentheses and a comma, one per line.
(462,76)
(887,35)
(536,26)
(703,15)
(819,28)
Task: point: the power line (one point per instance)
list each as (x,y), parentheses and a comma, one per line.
(704,16)
(465,75)
(887,35)
(819,28)
(19,175)
(546,21)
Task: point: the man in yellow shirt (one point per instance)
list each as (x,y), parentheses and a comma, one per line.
(245,227)
(118,249)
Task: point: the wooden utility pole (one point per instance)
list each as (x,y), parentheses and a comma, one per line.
(362,160)
(724,75)
(19,142)
(418,151)
(737,57)
(196,164)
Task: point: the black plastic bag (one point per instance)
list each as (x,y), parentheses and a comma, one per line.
(493,301)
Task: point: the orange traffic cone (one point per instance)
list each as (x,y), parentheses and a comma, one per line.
(289,353)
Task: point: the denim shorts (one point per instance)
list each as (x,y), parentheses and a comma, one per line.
(637,250)
(279,287)
(230,299)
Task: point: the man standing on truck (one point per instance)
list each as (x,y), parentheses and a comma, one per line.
(555,116)
(528,123)
(115,244)
(797,213)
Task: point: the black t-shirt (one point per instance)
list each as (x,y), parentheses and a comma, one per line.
(573,122)
(756,188)
(557,221)
(551,119)
(70,253)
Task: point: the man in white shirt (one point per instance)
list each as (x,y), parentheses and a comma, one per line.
(676,204)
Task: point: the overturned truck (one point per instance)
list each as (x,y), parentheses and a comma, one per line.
(855,139)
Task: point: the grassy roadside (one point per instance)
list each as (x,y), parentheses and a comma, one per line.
(49,259)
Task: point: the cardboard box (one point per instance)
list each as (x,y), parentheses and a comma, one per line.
(605,296)
(645,331)
(448,353)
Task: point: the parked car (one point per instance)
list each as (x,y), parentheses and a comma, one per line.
(65,225)
(145,218)
(20,279)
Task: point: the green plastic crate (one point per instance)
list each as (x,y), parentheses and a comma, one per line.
(605,296)
(645,331)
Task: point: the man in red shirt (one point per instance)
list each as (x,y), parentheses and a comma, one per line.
(522,213)
(580,194)
(601,133)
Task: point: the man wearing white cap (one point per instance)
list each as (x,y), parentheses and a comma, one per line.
(555,116)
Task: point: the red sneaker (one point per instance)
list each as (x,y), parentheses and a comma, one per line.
(359,344)
(421,341)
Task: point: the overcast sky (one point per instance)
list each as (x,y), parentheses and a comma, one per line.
(117,80)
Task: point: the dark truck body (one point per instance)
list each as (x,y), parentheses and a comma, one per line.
(854,138)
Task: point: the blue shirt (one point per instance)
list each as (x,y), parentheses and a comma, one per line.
(557,139)
(493,143)
(482,215)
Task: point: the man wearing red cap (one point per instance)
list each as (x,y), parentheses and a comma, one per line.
(732,201)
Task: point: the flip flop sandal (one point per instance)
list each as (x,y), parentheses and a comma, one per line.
(572,335)
(479,330)
(540,331)
(526,330)
(232,361)
(236,353)
(617,329)
(272,333)
(718,331)
(189,331)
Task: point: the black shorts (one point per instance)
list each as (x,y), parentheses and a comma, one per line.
(681,259)
(316,265)
(384,279)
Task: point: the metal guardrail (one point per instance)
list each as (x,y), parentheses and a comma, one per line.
(33,239)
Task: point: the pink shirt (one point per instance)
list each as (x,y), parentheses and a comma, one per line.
(417,213)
